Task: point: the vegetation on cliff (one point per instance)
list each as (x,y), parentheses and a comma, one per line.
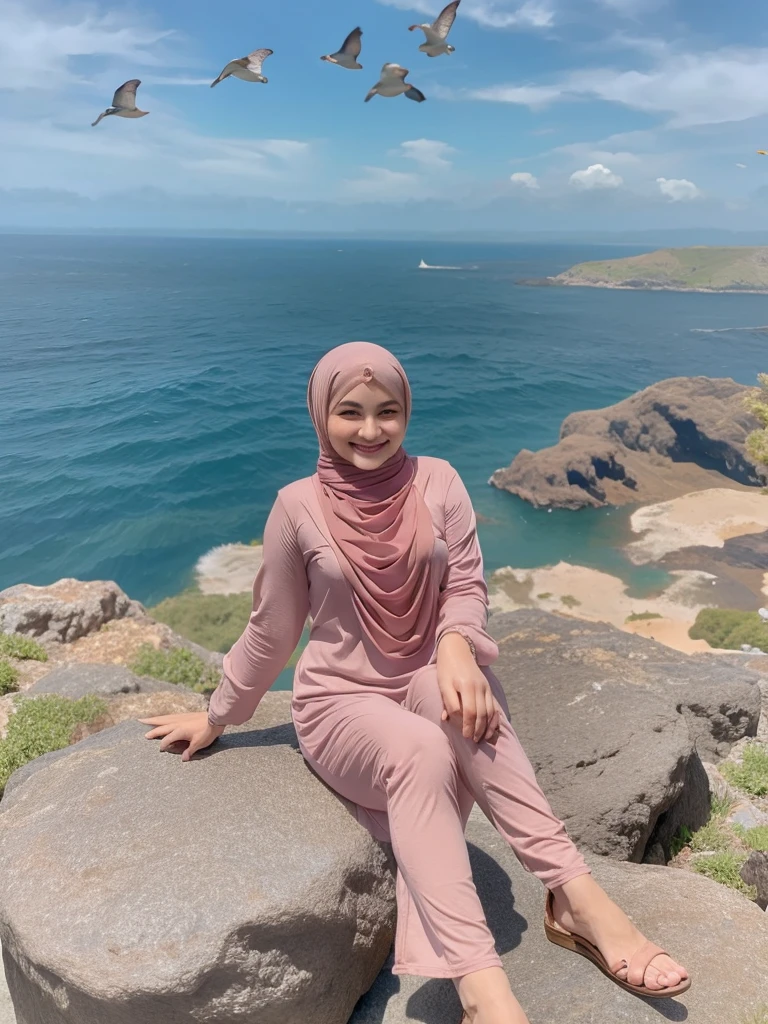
(699,268)
(728,628)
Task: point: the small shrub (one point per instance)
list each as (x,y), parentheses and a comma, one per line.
(680,840)
(714,836)
(637,616)
(13,645)
(9,677)
(751,775)
(43,724)
(728,628)
(570,601)
(724,867)
(755,838)
(176,666)
(257,542)
(543,597)
(720,806)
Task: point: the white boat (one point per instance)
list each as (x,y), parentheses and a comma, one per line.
(427,266)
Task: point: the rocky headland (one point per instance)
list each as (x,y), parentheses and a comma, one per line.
(682,434)
(239,887)
(700,268)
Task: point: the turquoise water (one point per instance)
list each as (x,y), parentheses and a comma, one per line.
(152,390)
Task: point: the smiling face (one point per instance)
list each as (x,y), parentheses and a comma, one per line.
(366,426)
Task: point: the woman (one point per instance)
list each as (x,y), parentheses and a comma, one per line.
(394,702)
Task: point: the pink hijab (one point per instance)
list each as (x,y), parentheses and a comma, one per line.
(380,528)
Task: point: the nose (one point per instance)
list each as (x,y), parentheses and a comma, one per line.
(370,429)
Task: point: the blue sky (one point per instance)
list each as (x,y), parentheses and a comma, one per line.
(551,113)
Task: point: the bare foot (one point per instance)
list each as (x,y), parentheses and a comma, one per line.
(488,999)
(582,907)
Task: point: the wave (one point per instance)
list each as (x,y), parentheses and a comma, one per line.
(428,266)
(727,330)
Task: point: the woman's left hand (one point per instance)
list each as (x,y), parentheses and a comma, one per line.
(465,691)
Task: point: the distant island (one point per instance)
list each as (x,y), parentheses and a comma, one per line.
(699,268)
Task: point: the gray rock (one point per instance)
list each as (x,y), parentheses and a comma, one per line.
(719,786)
(747,815)
(139,888)
(762,728)
(679,435)
(80,678)
(65,610)
(721,937)
(755,872)
(7,1016)
(613,761)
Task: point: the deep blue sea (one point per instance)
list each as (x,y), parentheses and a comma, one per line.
(152,390)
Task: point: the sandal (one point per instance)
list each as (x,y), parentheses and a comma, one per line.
(641,958)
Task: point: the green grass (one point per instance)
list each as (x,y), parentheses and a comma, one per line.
(758,1016)
(637,616)
(215,621)
(13,645)
(724,867)
(43,724)
(176,666)
(9,677)
(257,542)
(755,838)
(543,597)
(751,775)
(729,629)
(570,601)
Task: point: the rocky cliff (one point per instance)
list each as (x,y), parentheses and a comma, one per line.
(682,434)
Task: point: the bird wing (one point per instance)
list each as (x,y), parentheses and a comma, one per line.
(125,97)
(415,94)
(393,71)
(762,152)
(256,59)
(352,44)
(101,115)
(442,24)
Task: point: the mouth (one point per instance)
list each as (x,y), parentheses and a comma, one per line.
(369,449)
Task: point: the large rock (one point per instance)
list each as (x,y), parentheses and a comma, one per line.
(614,725)
(77,680)
(682,434)
(719,935)
(235,887)
(755,872)
(65,610)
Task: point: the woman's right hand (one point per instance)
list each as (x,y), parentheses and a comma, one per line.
(189,727)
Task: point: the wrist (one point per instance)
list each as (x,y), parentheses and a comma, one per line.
(456,644)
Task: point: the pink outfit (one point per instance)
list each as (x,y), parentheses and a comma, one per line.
(370,726)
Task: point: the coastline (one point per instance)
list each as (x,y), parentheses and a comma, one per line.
(553,282)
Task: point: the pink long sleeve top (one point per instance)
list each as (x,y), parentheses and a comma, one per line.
(300,576)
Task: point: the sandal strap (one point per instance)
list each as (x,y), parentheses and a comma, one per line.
(640,959)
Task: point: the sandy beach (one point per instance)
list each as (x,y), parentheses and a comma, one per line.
(585,593)
(699,519)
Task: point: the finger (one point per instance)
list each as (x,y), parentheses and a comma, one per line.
(451,701)
(469,715)
(192,748)
(492,715)
(481,720)
(161,730)
(171,738)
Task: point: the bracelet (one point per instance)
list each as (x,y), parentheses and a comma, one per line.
(465,637)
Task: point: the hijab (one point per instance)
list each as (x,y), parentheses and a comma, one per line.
(379,525)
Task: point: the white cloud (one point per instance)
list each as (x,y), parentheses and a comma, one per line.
(524,179)
(524,95)
(678,189)
(381,183)
(742,167)
(488,13)
(426,152)
(690,89)
(64,33)
(596,176)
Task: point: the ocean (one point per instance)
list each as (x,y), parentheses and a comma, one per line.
(152,390)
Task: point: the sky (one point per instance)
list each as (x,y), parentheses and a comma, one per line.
(550,115)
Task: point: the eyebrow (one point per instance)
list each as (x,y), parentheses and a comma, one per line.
(357,405)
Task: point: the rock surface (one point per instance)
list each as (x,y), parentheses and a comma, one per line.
(65,610)
(614,725)
(188,891)
(719,935)
(755,872)
(679,435)
(75,681)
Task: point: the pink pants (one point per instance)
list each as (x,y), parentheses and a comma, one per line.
(414,780)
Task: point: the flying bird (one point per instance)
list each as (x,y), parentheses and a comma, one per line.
(123,102)
(347,56)
(393,83)
(437,33)
(762,152)
(248,69)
